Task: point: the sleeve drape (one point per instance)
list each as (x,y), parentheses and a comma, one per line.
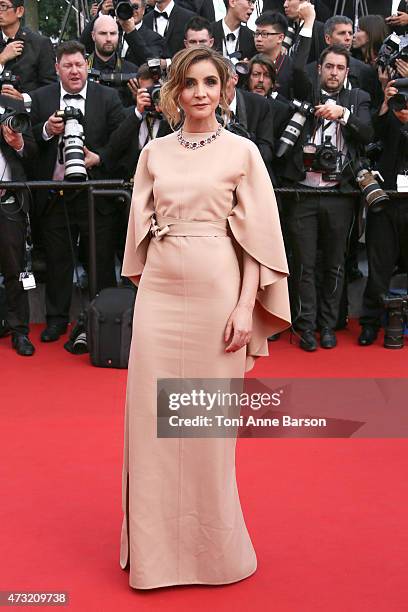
(255,224)
(141,211)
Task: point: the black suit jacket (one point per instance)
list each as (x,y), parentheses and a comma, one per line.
(174,36)
(318,41)
(123,147)
(36,65)
(20,165)
(357,132)
(143,43)
(360,75)
(253,112)
(291,81)
(103,114)
(245,40)
(205,8)
(323,12)
(394,138)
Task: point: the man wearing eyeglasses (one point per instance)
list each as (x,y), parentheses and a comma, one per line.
(28,55)
(269,35)
(232,38)
(138,43)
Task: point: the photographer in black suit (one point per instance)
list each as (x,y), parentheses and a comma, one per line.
(105,58)
(169,20)
(269,35)
(142,124)
(27,54)
(387,229)
(231,38)
(338,30)
(252,113)
(103,113)
(16,150)
(137,42)
(335,131)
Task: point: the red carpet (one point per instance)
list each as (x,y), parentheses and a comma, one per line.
(327,517)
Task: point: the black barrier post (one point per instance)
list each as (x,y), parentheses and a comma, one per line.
(92,244)
(92,194)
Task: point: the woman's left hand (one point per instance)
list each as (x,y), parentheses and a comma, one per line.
(239,325)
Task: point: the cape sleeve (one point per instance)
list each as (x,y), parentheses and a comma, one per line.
(255,224)
(141,210)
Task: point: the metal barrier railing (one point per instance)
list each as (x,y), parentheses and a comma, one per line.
(102,188)
(122,188)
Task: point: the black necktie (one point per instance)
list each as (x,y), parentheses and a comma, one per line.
(158,14)
(9,40)
(231,37)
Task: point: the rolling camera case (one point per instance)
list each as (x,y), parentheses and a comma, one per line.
(110,317)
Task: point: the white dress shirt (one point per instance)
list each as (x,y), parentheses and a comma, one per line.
(160,23)
(144,135)
(230,46)
(59,170)
(125,46)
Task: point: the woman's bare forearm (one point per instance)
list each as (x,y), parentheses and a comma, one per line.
(250,282)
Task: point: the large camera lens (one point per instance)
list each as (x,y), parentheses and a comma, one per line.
(124,10)
(19,122)
(74,158)
(374,195)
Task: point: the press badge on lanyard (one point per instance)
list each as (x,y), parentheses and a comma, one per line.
(402,183)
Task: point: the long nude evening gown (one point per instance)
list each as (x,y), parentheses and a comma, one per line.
(183,522)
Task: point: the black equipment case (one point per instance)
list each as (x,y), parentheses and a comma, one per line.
(110,317)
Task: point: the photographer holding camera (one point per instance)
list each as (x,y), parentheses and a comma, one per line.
(387,227)
(137,43)
(17,147)
(27,55)
(105,64)
(103,113)
(321,145)
(142,124)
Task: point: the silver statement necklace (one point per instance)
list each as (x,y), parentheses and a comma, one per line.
(199,143)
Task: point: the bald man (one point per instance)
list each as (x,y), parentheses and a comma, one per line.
(105,58)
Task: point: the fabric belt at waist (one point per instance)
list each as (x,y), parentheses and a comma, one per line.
(168,226)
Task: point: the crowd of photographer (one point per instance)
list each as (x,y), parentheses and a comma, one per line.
(326,104)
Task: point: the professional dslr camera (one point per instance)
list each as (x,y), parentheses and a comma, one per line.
(122,9)
(399,101)
(392,49)
(73,155)
(12,114)
(8,78)
(294,128)
(154,90)
(324,158)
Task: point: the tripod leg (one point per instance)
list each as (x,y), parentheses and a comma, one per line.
(65,21)
(336,7)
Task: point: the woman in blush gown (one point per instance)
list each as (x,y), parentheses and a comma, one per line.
(205,248)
